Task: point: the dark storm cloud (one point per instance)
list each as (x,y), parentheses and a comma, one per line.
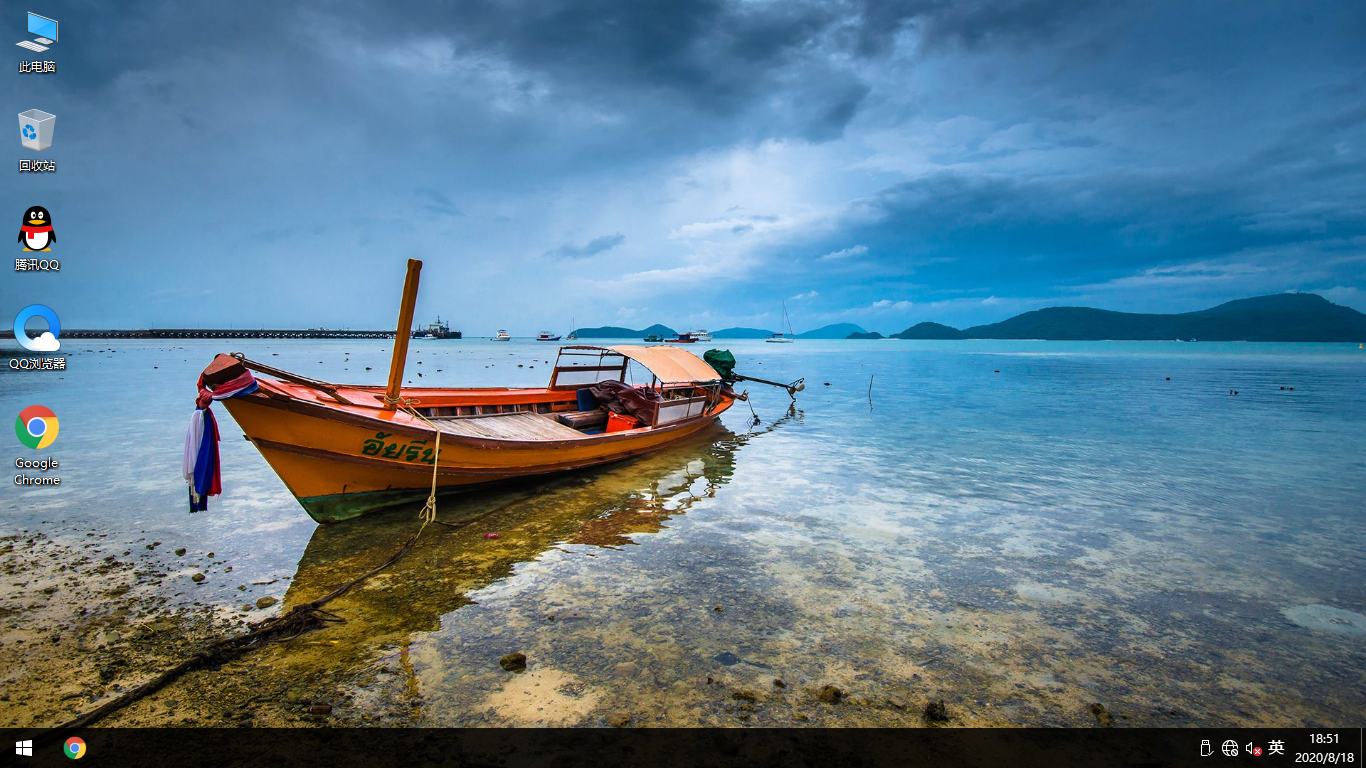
(970,23)
(591,248)
(1029,151)
(1029,233)
(711,58)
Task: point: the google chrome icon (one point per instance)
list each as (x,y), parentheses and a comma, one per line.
(75,748)
(36,427)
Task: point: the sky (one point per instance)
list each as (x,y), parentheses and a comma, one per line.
(698,164)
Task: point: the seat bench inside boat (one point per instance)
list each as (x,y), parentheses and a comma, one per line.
(517,425)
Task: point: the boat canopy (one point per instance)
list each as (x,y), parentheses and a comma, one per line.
(669,365)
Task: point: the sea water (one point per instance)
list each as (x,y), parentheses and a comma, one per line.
(1021,529)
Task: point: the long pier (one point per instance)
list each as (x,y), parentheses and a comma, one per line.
(238,333)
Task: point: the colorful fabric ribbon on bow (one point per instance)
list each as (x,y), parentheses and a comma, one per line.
(200,465)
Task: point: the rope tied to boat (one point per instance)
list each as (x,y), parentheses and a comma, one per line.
(408,406)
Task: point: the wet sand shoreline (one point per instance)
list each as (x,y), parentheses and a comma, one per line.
(81,626)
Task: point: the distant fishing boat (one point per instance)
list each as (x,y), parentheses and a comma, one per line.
(546,336)
(501,336)
(683,338)
(654,337)
(779,338)
(346,450)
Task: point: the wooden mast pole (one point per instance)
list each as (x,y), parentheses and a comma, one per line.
(403,334)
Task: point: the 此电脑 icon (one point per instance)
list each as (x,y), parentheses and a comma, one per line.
(44,28)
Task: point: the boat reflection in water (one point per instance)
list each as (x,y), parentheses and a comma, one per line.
(605,507)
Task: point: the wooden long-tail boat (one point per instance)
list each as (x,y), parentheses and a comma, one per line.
(345,450)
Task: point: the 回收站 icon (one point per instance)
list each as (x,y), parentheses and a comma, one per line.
(35,129)
(47,341)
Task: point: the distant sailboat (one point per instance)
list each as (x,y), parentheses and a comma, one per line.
(779,338)
(574,330)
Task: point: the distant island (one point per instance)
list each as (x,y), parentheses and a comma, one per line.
(1280,317)
(836,331)
(742,333)
(618,332)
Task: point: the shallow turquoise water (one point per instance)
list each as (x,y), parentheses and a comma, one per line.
(1021,528)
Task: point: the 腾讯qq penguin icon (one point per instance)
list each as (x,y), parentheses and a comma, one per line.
(36,231)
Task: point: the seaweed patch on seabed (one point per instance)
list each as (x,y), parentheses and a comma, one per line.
(83,620)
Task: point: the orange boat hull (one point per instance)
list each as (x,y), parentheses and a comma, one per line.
(342,461)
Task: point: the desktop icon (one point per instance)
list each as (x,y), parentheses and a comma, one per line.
(47,341)
(35,129)
(75,748)
(35,231)
(36,427)
(44,28)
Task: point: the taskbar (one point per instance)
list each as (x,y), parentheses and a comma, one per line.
(563,748)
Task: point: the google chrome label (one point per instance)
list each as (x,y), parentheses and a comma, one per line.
(36,426)
(75,748)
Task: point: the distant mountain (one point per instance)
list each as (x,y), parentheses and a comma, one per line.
(1280,317)
(836,331)
(865,336)
(741,333)
(929,331)
(617,332)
